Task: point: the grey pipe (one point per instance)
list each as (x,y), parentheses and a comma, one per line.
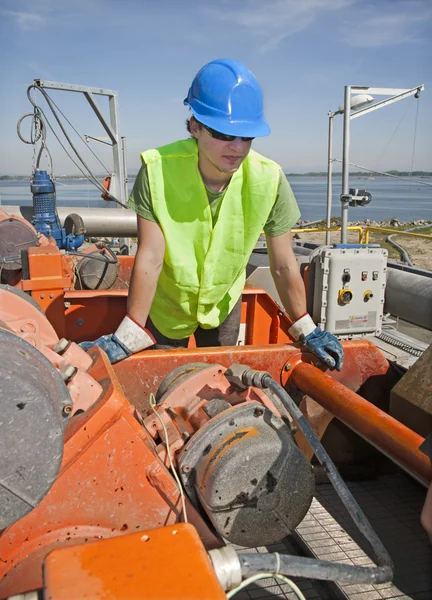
(99,222)
(409,296)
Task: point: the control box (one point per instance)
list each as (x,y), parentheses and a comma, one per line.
(346,288)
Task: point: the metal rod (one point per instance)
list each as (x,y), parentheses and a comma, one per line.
(329,176)
(389,436)
(345,163)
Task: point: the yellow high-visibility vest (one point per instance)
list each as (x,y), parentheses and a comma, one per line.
(203,274)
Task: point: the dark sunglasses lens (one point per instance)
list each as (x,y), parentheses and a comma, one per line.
(224,137)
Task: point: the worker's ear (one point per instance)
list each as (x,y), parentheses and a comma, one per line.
(194,127)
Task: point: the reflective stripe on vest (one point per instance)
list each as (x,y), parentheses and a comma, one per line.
(203,274)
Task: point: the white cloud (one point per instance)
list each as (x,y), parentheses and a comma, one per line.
(401,22)
(274,20)
(26,20)
(361,23)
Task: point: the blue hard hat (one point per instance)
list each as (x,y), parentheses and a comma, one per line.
(227,97)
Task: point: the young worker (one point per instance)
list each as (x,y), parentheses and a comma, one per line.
(201,205)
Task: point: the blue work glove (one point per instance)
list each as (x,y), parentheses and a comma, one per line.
(322,343)
(129,338)
(327,347)
(110,344)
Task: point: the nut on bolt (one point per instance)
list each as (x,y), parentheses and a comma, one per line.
(61,346)
(186,468)
(67,409)
(68,372)
(288,366)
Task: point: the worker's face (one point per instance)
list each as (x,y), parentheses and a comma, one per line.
(224,156)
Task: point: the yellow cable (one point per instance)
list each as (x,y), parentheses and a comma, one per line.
(176,477)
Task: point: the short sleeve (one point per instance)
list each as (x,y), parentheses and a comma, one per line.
(285,212)
(140,199)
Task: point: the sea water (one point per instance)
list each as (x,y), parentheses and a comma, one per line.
(404,200)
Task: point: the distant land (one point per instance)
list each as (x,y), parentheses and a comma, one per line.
(308,174)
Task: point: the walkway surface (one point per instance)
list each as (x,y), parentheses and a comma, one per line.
(392,503)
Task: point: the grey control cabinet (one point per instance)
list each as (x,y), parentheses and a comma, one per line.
(348,289)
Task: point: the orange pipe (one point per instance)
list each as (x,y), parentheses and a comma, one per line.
(385,433)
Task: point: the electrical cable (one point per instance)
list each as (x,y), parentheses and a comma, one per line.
(299,566)
(259,576)
(173,469)
(403,253)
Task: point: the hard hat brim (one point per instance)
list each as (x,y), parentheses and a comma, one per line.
(237,128)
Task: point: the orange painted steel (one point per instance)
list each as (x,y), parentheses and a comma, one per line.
(158,564)
(143,372)
(377,427)
(111,482)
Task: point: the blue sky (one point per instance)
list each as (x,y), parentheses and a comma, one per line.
(303,52)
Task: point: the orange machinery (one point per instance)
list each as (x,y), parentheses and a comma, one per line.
(103,468)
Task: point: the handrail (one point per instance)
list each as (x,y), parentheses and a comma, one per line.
(323,229)
(393,231)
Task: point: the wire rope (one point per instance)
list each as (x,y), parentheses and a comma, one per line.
(393,134)
(414,144)
(384,173)
(77,132)
(89,175)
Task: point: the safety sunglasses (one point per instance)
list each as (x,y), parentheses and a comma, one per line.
(224,137)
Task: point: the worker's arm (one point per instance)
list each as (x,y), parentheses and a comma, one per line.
(286,274)
(290,287)
(131,335)
(147,267)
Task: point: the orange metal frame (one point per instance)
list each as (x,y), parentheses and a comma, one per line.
(111,482)
(159,564)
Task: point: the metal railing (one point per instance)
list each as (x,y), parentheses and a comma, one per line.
(363,232)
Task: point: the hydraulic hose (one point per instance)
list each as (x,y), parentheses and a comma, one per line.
(308,567)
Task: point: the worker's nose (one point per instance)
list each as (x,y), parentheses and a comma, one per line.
(236,144)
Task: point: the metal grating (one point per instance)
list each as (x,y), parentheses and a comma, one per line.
(392,503)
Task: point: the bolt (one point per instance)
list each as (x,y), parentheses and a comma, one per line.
(288,367)
(258,412)
(186,468)
(61,346)
(67,409)
(67,373)
(51,295)
(42,296)
(80,322)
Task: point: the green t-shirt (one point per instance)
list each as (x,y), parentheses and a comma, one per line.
(284,214)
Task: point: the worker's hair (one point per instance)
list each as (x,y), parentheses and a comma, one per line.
(188,125)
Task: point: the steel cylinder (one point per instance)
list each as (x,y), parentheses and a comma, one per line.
(392,438)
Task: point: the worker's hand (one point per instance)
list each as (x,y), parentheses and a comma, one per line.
(322,343)
(111,345)
(327,347)
(129,338)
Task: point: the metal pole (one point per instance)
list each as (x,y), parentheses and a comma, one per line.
(329,175)
(345,162)
(123,143)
